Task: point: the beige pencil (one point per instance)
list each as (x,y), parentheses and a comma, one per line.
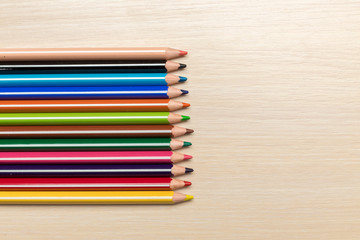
(74,54)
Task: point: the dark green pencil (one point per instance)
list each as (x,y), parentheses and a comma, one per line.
(91,144)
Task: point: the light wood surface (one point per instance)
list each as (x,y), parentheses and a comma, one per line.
(275,94)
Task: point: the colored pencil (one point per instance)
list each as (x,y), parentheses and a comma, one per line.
(92,184)
(76,54)
(91,157)
(108,92)
(92,105)
(89,79)
(89,67)
(91,118)
(92,144)
(91,170)
(92,197)
(93,131)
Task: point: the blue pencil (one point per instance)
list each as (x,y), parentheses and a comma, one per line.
(92,79)
(108,92)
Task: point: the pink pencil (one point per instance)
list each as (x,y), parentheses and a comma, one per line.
(92,157)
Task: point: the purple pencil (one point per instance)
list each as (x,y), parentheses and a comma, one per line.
(91,170)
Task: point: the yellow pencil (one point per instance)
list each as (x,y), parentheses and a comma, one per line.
(92,197)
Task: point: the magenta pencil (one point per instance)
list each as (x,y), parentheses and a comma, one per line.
(91,157)
(91,184)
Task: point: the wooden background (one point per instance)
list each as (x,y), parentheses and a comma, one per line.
(275,96)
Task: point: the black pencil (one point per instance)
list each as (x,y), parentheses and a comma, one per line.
(111,66)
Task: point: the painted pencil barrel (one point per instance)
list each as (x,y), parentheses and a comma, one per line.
(80,54)
(92,131)
(92,184)
(88,144)
(93,157)
(92,118)
(92,197)
(91,105)
(108,92)
(86,79)
(84,170)
(51,67)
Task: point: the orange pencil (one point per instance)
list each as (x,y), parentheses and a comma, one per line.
(74,54)
(91,105)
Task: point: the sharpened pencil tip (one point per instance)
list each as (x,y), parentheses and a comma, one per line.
(187,144)
(184,118)
(187,157)
(182,79)
(188,197)
(188,130)
(187,183)
(182,65)
(183,92)
(183,53)
(185,105)
(188,170)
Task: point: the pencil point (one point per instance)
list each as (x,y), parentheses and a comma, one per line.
(182,79)
(187,144)
(182,65)
(187,183)
(187,157)
(188,130)
(184,91)
(184,118)
(183,53)
(188,197)
(188,170)
(185,105)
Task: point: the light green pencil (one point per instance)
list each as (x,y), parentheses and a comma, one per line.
(91,118)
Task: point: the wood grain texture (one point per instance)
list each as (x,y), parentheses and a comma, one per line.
(275,96)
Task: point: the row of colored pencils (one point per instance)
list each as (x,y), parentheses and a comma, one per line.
(91,126)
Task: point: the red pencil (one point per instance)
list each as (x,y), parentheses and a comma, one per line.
(98,184)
